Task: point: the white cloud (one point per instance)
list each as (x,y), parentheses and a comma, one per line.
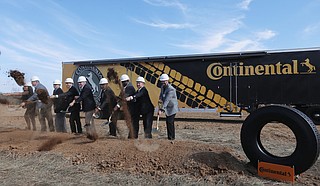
(21,60)
(310,29)
(245,4)
(211,40)
(243,45)
(265,35)
(168,3)
(164,25)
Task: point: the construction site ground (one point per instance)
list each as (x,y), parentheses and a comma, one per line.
(204,153)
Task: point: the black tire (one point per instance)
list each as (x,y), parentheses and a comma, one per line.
(314,114)
(307,137)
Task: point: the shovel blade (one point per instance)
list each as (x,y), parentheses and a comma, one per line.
(105,123)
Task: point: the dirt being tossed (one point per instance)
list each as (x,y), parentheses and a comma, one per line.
(113,76)
(49,144)
(4,101)
(17,76)
(43,96)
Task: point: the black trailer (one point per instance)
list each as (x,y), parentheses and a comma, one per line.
(273,86)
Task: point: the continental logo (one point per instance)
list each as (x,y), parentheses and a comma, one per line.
(216,71)
(277,172)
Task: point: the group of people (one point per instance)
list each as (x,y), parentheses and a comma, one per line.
(136,102)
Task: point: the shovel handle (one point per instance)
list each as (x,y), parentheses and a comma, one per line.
(157,123)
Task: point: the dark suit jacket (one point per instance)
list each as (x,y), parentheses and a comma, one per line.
(143,104)
(129,91)
(69,96)
(86,99)
(108,100)
(59,103)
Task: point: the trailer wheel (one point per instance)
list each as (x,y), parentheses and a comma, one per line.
(314,114)
(307,137)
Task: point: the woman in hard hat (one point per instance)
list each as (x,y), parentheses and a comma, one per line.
(168,104)
(142,106)
(59,105)
(107,102)
(30,114)
(69,96)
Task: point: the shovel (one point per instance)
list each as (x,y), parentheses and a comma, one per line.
(156,130)
(107,122)
(65,111)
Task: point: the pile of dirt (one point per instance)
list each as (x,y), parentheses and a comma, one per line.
(203,153)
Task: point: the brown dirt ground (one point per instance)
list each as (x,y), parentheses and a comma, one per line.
(204,153)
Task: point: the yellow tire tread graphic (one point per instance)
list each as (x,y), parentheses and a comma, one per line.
(189,92)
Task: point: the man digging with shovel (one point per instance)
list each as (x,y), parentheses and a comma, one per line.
(69,96)
(88,106)
(108,101)
(168,104)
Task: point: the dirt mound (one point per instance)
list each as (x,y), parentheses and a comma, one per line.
(203,154)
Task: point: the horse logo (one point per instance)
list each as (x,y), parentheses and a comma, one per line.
(309,65)
(93,85)
(92,74)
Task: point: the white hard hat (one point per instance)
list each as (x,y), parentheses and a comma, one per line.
(103,81)
(57,82)
(164,77)
(28,84)
(124,77)
(140,79)
(82,79)
(35,78)
(69,80)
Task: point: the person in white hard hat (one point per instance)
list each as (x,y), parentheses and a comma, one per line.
(30,107)
(128,90)
(88,106)
(168,103)
(69,96)
(59,104)
(30,114)
(107,102)
(45,110)
(142,106)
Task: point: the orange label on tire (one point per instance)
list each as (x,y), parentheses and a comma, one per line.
(276,171)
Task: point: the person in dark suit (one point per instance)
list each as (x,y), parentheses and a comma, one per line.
(128,90)
(88,106)
(69,96)
(107,102)
(168,104)
(142,106)
(59,104)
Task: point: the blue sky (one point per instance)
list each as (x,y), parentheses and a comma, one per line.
(37,35)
